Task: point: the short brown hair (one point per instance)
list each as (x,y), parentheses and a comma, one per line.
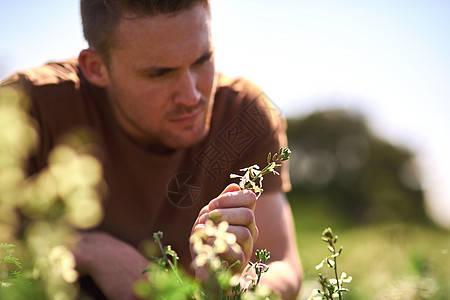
(100,17)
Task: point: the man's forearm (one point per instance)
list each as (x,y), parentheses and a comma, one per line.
(283,279)
(113,265)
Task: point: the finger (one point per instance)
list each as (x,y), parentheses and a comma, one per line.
(243,238)
(236,216)
(231,257)
(241,198)
(231,188)
(204,210)
(198,227)
(202,216)
(244,250)
(202,274)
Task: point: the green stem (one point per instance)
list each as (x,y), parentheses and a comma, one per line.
(220,293)
(330,295)
(174,268)
(260,174)
(161,248)
(259,273)
(336,274)
(175,271)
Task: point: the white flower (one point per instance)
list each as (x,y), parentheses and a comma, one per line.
(222,241)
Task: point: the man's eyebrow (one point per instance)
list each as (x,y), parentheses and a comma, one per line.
(154,69)
(206,56)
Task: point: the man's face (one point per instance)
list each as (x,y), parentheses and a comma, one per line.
(161,78)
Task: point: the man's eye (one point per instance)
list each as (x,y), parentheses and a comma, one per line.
(201,61)
(158,74)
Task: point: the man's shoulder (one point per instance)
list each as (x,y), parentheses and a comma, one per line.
(51,73)
(57,100)
(242,95)
(239,100)
(235,94)
(237,84)
(53,88)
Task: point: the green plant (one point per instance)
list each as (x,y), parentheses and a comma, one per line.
(10,267)
(331,287)
(260,267)
(166,252)
(40,215)
(253,177)
(166,281)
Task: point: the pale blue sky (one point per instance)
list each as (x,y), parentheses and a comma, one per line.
(388,59)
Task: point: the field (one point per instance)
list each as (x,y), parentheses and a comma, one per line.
(387,261)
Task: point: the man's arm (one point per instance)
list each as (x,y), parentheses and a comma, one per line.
(113,265)
(277,235)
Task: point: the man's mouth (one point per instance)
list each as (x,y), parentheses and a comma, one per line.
(187,119)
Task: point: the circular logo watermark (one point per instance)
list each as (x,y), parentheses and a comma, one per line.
(184,190)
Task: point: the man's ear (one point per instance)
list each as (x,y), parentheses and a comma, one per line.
(93,68)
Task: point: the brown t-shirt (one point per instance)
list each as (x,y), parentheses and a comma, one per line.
(148,192)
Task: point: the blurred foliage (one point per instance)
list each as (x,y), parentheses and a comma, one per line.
(338,161)
(368,189)
(40,215)
(394,261)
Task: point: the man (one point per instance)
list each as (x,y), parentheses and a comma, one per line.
(171,130)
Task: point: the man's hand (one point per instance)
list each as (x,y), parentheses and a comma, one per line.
(113,265)
(237,207)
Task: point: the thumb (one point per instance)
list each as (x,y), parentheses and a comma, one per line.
(231,188)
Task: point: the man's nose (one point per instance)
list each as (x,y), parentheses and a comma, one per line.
(187,92)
